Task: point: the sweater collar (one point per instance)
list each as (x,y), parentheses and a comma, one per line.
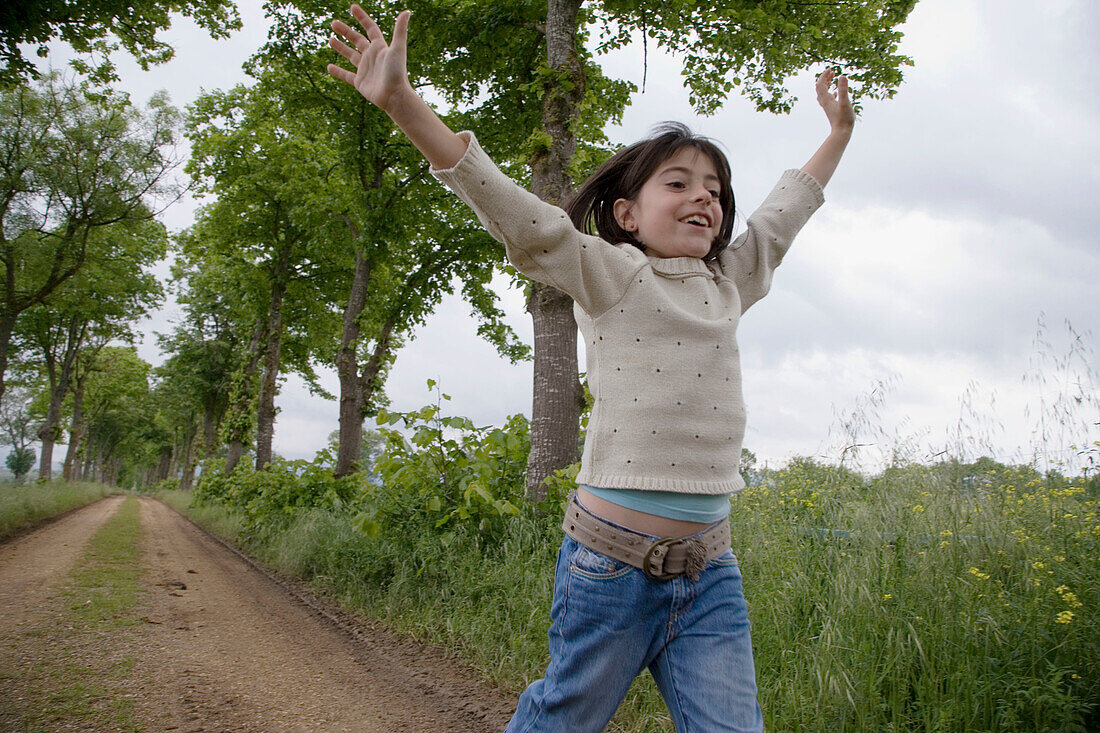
(679,266)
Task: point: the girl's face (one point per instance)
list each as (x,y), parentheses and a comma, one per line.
(676,213)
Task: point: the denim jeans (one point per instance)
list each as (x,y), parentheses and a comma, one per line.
(609,622)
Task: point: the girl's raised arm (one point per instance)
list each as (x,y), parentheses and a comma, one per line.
(381,77)
(842,118)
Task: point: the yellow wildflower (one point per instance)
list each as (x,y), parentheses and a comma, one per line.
(1065,617)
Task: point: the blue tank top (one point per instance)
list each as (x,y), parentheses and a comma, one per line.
(706,508)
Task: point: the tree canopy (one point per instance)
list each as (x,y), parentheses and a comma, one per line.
(101,26)
(73,164)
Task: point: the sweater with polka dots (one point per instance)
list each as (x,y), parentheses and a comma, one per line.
(660,333)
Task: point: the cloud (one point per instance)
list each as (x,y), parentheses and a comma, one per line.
(914,283)
(908,406)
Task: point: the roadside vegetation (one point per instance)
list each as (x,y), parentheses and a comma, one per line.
(951,596)
(25,505)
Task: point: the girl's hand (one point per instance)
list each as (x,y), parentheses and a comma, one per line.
(382,78)
(380,74)
(837,106)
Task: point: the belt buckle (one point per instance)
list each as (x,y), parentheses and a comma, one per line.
(666,542)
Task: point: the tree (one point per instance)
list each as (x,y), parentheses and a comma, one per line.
(261,164)
(178,413)
(17,426)
(747,45)
(85,362)
(19,462)
(197,374)
(72,163)
(89,25)
(120,439)
(98,304)
(411,243)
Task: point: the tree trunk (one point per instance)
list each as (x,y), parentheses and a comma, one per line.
(347,368)
(557,394)
(51,430)
(234,451)
(76,432)
(7,326)
(187,477)
(45,458)
(209,430)
(269,385)
(164,464)
(242,400)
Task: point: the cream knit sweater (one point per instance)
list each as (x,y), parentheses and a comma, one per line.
(660,334)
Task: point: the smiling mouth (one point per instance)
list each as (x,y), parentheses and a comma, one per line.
(697,221)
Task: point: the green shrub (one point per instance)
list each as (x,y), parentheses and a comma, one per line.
(168,484)
(269,499)
(445,473)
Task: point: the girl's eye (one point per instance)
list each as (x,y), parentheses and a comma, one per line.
(676,184)
(714,194)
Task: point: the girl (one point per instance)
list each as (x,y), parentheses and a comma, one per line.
(645,575)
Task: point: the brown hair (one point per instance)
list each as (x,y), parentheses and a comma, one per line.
(624,174)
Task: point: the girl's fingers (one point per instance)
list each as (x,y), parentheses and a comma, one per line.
(374,33)
(344,50)
(354,37)
(342,74)
(400,30)
(823,81)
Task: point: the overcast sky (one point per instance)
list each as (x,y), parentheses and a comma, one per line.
(962,213)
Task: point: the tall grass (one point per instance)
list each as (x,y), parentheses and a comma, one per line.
(922,600)
(949,597)
(26,505)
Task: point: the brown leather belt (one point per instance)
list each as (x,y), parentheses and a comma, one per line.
(661,559)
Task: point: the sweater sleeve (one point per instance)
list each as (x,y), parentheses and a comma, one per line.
(539,238)
(752,257)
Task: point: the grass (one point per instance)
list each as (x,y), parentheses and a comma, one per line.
(106,582)
(100,597)
(935,606)
(23,506)
(918,599)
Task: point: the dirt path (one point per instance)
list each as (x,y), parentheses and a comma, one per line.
(31,564)
(226,648)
